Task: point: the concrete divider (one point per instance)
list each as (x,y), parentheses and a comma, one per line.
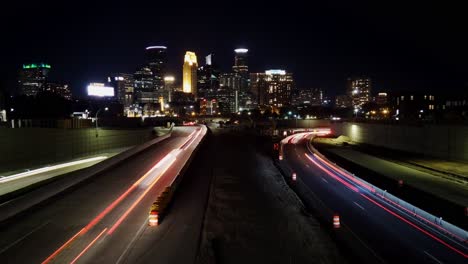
(34,147)
(35,197)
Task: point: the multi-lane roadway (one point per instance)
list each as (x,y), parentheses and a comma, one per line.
(385,231)
(106,218)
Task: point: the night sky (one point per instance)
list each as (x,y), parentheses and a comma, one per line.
(407,46)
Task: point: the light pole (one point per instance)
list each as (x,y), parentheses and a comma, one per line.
(105,109)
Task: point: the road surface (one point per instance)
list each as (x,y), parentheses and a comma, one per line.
(387,232)
(102,220)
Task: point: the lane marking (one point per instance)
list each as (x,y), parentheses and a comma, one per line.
(88,246)
(138,233)
(364,244)
(433,258)
(323,179)
(358,205)
(23,237)
(307,165)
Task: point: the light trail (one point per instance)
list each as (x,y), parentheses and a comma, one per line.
(88,246)
(48,168)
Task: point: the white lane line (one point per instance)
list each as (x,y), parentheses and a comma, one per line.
(23,237)
(358,205)
(365,245)
(323,179)
(433,258)
(307,165)
(138,233)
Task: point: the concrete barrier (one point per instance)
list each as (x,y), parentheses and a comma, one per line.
(35,197)
(32,147)
(440,141)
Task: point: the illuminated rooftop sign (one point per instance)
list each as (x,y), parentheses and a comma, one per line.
(169,79)
(241,50)
(35,66)
(156,47)
(277,72)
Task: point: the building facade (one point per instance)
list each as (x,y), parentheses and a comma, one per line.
(32,78)
(144,86)
(156,60)
(59,89)
(359,90)
(124,85)
(311,96)
(189,73)
(273,88)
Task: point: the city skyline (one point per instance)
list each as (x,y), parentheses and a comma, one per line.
(320,54)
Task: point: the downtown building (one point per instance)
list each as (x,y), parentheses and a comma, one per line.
(156,60)
(123,84)
(359,91)
(273,88)
(208,78)
(189,73)
(33,78)
(312,97)
(144,86)
(59,89)
(234,87)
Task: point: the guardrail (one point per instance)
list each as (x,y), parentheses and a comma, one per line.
(426,219)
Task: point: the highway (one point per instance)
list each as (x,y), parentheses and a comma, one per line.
(386,231)
(104,219)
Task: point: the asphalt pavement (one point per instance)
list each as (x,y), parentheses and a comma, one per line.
(101,220)
(391,235)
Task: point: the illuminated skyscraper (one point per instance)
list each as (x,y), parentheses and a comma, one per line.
(156,60)
(123,84)
(169,88)
(359,90)
(274,87)
(241,62)
(144,86)
(190,73)
(32,78)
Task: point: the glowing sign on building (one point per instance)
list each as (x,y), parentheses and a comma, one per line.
(99,89)
(241,50)
(279,72)
(35,66)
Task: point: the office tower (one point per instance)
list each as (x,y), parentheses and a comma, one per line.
(311,96)
(381,98)
(59,89)
(273,88)
(241,62)
(32,78)
(124,85)
(169,88)
(156,60)
(343,101)
(359,90)
(190,73)
(208,78)
(144,86)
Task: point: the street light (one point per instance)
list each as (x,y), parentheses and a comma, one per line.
(105,109)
